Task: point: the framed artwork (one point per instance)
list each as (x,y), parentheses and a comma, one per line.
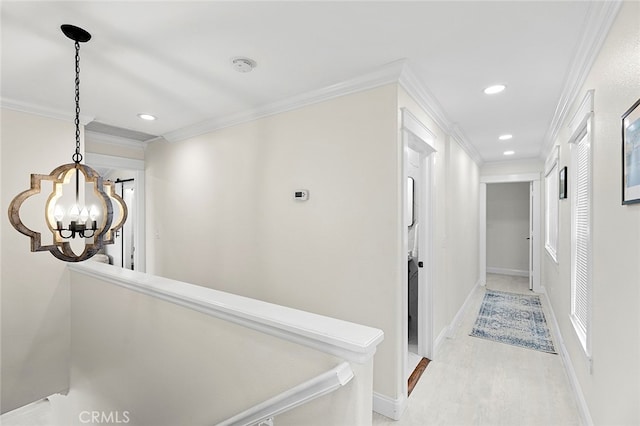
(631,155)
(562,191)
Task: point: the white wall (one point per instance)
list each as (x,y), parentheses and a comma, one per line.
(502,168)
(35,290)
(164,364)
(221,213)
(508,228)
(462,223)
(612,388)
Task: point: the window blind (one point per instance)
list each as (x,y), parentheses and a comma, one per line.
(581,220)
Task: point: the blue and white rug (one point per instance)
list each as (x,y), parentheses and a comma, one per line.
(515,319)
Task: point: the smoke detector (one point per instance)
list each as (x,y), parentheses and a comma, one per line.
(242,64)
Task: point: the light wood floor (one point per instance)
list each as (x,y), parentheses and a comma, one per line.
(474,381)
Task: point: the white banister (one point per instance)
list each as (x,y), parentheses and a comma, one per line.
(349,341)
(314,388)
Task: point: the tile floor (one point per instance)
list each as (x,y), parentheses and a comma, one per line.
(474,381)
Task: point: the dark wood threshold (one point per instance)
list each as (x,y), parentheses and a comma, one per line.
(417,373)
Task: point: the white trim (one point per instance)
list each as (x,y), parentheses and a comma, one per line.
(442,336)
(482,226)
(392,408)
(518,177)
(387,74)
(419,138)
(116,140)
(110,161)
(460,314)
(580,127)
(418,130)
(600,18)
(458,135)
(581,401)
(395,72)
(425,99)
(428,102)
(42,111)
(507,271)
(553,162)
(536,272)
(448,332)
(524,177)
(578,122)
(352,342)
(316,387)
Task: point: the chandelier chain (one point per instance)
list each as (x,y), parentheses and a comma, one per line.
(77,157)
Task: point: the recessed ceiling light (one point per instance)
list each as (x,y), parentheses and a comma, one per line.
(492,90)
(505,137)
(509,152)
(147,117)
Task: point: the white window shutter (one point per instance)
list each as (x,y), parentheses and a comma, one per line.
(580,287)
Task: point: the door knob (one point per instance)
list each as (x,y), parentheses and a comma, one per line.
(420,264)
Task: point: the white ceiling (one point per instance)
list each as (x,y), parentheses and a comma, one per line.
(173,59)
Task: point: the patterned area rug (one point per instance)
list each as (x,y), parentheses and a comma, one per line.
(515,319)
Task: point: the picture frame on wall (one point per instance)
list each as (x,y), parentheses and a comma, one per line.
(562,181)
(631,155)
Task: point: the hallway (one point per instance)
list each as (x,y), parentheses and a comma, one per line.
(479,382)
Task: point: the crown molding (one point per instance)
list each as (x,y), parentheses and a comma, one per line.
(427,101)
(42,111)
(116,140)
(389,73)
(111,161)
(394,72)
(459,136)
(599,20)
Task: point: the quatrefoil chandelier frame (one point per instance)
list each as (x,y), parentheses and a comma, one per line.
(94,224)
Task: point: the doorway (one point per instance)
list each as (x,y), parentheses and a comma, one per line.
(417,234)
(128,250)
(509,231)
(530,238)
(122,251)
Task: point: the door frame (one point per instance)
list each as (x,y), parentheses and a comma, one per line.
(137,166)
(535,223)
(419,138)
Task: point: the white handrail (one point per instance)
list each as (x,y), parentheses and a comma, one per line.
(314,388)
(349,341)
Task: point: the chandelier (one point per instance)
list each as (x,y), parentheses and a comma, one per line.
(83,211)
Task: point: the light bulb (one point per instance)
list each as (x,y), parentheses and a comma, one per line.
(58,213)
(74,212)
(94,213)
(84,215)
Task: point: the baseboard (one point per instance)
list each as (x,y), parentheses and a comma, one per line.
(506,271)
(448,332)
(458,317)
(583,408)
(392,408)
(439,341)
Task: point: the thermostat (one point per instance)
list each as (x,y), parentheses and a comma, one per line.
(301,195)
